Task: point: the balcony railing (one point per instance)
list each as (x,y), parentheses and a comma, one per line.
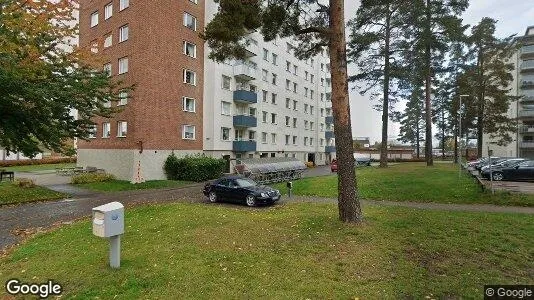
(527,65)
(328,134)
(527,84)
(526,145)
(244,146)
(526,129)
(527,99)
(245,72)
(526,50)
(526,113)
(252,48)
(329,149)
(246,97)
(329,119)
(245,121)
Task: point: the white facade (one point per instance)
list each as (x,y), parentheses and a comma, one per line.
(280,106)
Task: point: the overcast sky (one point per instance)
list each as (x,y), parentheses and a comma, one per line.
(513,16)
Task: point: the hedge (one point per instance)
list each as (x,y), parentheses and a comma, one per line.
(193,168)
(91,177)
(44,161)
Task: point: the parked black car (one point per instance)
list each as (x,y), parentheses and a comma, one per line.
(494,160)
(496,169)
(241,190)
(522,171)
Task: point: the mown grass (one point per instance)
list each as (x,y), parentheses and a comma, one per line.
(12,194)
(43,167)
(291,251)
(124,185)
(411,182)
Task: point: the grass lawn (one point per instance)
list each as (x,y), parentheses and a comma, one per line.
(11,194)
(124,185)
(291,251)
(411,182)
(43,167)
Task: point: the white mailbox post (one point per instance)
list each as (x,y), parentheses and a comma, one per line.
(108,222)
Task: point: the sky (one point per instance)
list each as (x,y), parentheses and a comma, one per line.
(513,16)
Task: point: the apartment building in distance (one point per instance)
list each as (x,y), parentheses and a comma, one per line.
(269,105)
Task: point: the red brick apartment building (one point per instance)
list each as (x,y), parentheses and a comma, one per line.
(155,46)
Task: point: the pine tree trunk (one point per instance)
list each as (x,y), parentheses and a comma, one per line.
(428,82)
(348,203)
(481,103)
(385,104)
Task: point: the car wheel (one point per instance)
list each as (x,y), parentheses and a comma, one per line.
(251,200)
(498,176)
(212,197)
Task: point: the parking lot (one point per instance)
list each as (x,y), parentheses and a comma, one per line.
(525,187)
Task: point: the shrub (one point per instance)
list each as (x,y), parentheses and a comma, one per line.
(91,177)
(44,161)
(193,168)
(24,182)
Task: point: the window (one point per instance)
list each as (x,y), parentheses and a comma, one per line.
(322,67)
(264,117)
(273,118)
(295,102)
(265,54)
(264,75)
(273,138)
(94,46)
(288,84)
(108,11)
(312,126)
(226,108)
(265,93)
(322,142)
(274,78)
(252,135)
(123,98)
(108,41)
(295,69)
(288,47)
(288,66)
(123,33)
(294,87)
(190,49)
(194,1)
(106,130)
(188,104)
(305,141)
(306,75)
(322,112)
(273,98)
(275,59)
(306,92)
(252,111)
(123,4)
(287,139)
(288,103)
(312,78)
(190,77)
(306,124)
(305,108)
(312,94)
(123,65)
(322,81)
(92,132)
(312,61)
(122,128)
(226,82)
(190,21)
(107,68)
(311,110)
(311,141)
(294,141)
(188,132)
(94,19)
(107,104)
(264,137)
(225,134)
(288,120)
(238,135)
(294,122)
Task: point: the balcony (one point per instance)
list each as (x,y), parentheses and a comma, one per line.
(527,65)
(246,97)
(330,149)
(245,121)
(527,51)
(328,135)
(526,113)
(251,46)
(245,72)
(527,99)
(329,120)
(526,129)
(529,145)
(527,84)
(244,146)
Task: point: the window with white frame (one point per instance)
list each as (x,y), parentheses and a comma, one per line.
(273,118)
(188,132)
(273,138)
(294,122)
(312,77)
(123,4)
(322,127)
(188,104)
(94,46)
(123,65)
(288,137)
(288,66)
(312,125)
(306,92)
(295,69)
(108,40)
(288,103)
(190,21)
(108,11)
(312,92)
(306,75)
(225,133)
(123,33)
(305,108)
(94,19)
(273,98)
(122,128)
(123,98)
(265,54)
(190,77)
(306,124)
(226,82)
(265,94)
(252,111)
(264,137)
(322,142)
(295,86)
(312,109)
(264,116)
(322,112)
(274,78)
(288,121)
(294,141)
(252,135)
(107,68)
(92,132)
(275,59)
(264,75)
(106,130)
(190,49)
(295,102)
(226,108)
(288,84)
(311,141)
(305,141)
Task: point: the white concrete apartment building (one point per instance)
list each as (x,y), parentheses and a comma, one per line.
(269,105)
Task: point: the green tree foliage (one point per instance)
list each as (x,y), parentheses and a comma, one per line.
(193,168)
(376,39)
(412,121)
(44,79)
(315,27)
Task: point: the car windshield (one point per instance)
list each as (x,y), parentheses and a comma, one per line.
(243,182)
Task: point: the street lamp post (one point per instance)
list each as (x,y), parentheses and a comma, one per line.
(460,137)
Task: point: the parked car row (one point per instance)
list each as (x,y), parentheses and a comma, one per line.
(504,168)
